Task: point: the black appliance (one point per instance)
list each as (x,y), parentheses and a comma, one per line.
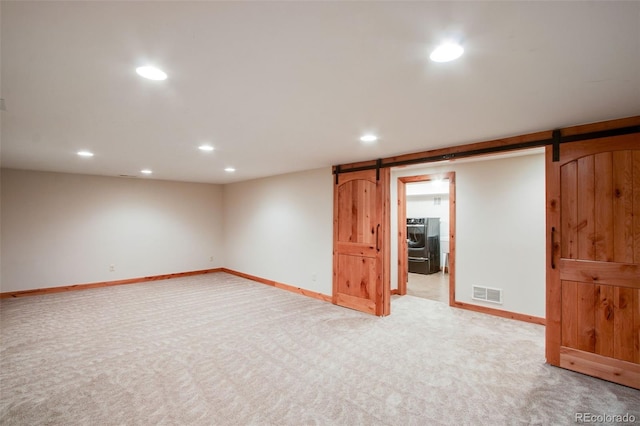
(423,240)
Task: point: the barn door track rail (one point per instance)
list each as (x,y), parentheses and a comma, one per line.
(555,140)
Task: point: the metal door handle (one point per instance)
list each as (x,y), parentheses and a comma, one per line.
(377,239)
(553,247)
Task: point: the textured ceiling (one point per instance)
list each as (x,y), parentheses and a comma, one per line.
(278,87)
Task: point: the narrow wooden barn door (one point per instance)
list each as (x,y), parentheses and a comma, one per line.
(593,276)
(360,243)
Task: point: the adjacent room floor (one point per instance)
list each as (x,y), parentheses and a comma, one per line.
(433,286)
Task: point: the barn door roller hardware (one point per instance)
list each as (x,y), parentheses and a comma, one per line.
(338,169)
(556,135)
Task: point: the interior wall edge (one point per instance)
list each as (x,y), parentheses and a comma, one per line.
(77,287)
(500,313)
(282,286)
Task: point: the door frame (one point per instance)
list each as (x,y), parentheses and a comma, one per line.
(403,261)
(544,138)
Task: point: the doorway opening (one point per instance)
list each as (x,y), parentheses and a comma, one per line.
(426,246)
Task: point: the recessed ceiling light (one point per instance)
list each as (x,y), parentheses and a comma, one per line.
(229,170)
(447,51)
(368,138)
(146,171)
(208,148)
(152,73)
(85,153)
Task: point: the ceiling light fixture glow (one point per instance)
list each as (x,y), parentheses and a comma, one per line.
(207,148)
(146,171)
(85,153)
(446,52)
(229,170)
(369,138)
(152,73)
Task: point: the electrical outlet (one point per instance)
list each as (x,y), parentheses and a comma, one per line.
(112,268)
(211,259)
(313,277)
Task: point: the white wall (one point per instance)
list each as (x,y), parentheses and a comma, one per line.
(61,229)
(500,229)
(281,228)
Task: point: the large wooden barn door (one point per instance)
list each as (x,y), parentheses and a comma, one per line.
(360,242)
(593,276)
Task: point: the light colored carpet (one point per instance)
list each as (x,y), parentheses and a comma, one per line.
(220,350)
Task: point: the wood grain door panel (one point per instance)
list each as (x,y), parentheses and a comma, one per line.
(356,204)
(360,253)
(593,280)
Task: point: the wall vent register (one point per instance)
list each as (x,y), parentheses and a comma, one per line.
(487,294)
